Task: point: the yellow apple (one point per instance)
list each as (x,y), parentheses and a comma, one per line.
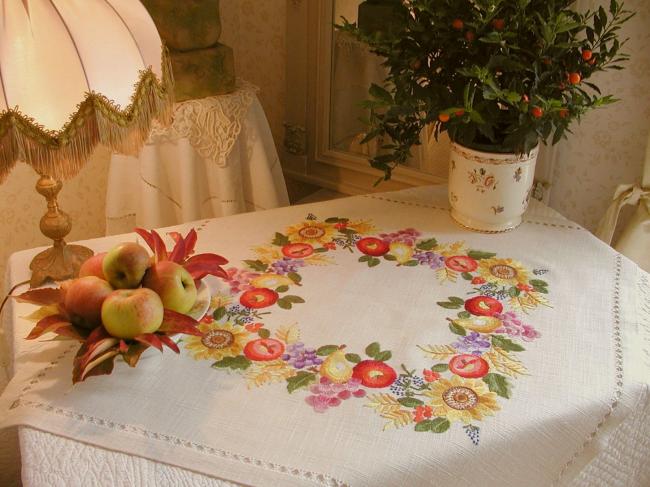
(173,284)
(127,313)
(124,266)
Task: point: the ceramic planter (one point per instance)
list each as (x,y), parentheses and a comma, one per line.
(489,191)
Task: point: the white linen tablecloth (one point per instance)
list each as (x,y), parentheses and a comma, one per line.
(217,159)
(578,414)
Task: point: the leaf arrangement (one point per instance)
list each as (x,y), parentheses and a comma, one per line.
(98,350)
(496,75)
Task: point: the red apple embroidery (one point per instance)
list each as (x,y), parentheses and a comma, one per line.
(263,349)
(461,263)
(297,250)
(373,373)
(259,297)
(372,246)
(468,366)
(483,306)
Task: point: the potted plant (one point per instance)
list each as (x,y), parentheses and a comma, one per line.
(498,76)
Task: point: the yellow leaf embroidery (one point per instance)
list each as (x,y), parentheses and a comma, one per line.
(505,363)
(438,352)
(260,374)
(528,301)
(387,407)
(363,227)
(446,274)
(318,259)
(451,249)
(268,253)
(288,334)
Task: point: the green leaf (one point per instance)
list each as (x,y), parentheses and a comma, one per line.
(263,333)
(326,350)
(374,261)
(428,244)
(478,254)
(301,379)
(439,425)
(284,303)
(467,276)
(219,313)
(506,344)
(448,305)
(293,299)
(390,257)
(235,363)
(335,219)
(423,426)
(352,357)
(364,258)
(440,368)
(514,292)
(499,384)
(383,356)
(456,300)
(457,329)
(410,402)
(294,277)
(538,283)
(380,93)
(411,263)
(320,250)
(280,240)
(282,289)
(373,349)
(257,265)
(464,315)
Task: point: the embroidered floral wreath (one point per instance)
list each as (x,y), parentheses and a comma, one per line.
(467,377)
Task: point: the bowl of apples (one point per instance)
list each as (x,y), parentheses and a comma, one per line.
(127,300)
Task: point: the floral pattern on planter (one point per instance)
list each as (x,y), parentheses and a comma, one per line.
(482,180)
(466,379)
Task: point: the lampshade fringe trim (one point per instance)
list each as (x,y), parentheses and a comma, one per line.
(97,120)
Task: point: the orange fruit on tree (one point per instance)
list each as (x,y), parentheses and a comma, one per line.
(587,54)
(458,24)
(563,113)
(443,117)
(459,113)
(537,112)
(498,24)
(470,36)
(574,78)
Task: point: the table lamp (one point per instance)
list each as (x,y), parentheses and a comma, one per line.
(75,74)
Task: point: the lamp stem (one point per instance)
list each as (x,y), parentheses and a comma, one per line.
(61,261)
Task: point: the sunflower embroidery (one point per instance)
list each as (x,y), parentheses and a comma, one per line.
(461,399)
(505,272)
(311,232)
(218,340)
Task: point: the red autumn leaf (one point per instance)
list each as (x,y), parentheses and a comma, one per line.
(169,342)
(46,325)
(201,265)
(42,297)
(70,331)
(160,251)
(190,242)
(132,355)
(175,236)
(147,237)
(101,365)
(123,347)
(178,253)
(150,339)
(174,322)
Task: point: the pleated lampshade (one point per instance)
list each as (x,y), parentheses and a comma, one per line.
(74,73)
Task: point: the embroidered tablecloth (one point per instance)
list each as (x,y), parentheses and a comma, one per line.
(370,341)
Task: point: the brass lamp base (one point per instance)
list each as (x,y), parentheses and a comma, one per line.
(61,261)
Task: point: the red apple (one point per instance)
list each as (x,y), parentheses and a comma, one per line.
(373,246)
(84,298)
(461,263)
(173,284)
(468,366)
(483,306)
(127,313)
(93,266)
(124,266)
(263,349)
(297,250)
(259,297)
(374,373)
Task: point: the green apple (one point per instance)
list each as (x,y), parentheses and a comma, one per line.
(173,284)
(84,298)
(127,313)
(124,266)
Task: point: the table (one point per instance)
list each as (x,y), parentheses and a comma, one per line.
(217,159)
(595,431)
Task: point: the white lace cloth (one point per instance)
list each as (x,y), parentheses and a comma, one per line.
(218,158)
(605,442)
